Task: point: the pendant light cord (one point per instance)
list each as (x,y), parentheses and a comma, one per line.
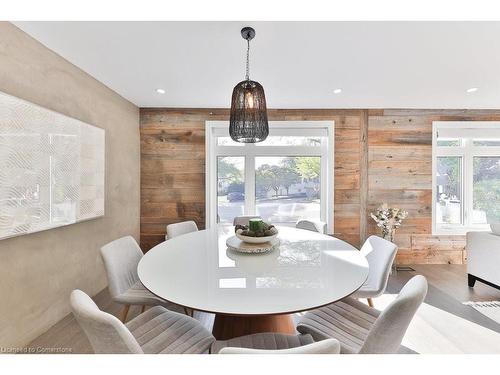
(248,60)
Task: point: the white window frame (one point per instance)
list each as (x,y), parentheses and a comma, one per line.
(468,130)
(214,129)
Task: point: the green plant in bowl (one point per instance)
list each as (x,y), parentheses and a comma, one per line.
(256,230)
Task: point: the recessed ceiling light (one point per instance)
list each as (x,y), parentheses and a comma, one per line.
(472,89)
(337,91)
(160,91)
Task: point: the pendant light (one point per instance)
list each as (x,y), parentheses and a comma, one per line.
(248,118)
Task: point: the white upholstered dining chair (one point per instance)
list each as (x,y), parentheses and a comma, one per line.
(155,331)
(312,225)
(244,220)
(380,255)
(178,229)
(121,258)
(275,343)
(365,330)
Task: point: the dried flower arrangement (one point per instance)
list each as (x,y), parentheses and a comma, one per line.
(389,219)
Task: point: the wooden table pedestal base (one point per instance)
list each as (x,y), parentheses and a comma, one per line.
(229,326)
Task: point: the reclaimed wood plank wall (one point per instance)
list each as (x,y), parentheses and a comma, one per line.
(380,156)
(400,173)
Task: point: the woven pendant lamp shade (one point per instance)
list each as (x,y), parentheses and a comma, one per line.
(248,118)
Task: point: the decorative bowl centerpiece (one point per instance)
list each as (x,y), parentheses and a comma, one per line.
(256,232)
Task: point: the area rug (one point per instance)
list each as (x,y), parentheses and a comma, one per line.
(490,309)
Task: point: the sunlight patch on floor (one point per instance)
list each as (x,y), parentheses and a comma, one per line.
(435,331)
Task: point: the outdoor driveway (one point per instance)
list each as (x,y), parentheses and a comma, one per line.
(281,210)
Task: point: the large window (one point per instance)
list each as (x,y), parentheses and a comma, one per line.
(466,176)
(283,179)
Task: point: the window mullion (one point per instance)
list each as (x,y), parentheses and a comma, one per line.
(249,185)
(324,189)
(468,183)
(210,178)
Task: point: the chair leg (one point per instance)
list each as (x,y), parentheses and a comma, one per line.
(188,312)
(370,302)
(143,308)
(125,313)
(471,280)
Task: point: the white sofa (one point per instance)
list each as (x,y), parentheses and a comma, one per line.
(483,258)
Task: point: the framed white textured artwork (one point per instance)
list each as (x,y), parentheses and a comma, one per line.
(51,169)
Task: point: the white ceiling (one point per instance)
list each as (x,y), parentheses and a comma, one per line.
(377,64)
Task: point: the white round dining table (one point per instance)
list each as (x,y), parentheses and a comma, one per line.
(252,293)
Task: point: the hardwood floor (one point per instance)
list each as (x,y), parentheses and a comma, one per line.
(442,325)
